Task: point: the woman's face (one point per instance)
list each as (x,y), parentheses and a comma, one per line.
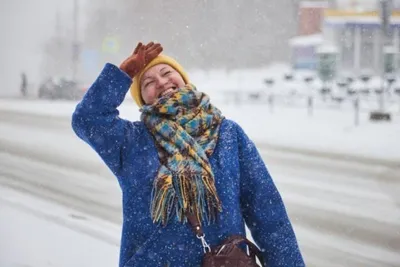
(159,80)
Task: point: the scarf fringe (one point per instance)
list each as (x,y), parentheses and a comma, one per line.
(196,194)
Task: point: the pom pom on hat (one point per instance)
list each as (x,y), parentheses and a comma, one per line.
(160,59)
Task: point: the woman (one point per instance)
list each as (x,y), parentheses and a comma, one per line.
(182,156)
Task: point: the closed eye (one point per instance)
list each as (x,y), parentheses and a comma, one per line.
(166,73)
(148,83)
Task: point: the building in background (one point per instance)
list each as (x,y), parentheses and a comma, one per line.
(357,35)
(352,28)
(304,46)
(311,16)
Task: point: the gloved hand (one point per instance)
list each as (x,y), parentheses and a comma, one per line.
(140,57)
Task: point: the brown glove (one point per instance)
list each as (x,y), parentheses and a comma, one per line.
(140,57)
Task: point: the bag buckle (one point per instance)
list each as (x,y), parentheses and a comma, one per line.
(206,246)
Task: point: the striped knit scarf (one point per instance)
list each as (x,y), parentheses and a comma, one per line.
(185,128)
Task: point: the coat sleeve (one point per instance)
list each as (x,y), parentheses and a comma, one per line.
(96,118)
(263,209)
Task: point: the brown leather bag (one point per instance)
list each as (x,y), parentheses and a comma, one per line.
(228,253)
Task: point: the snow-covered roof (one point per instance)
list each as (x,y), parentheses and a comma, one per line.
(390,49)
(359,20)
(306,40)
(314,4)
(327,48)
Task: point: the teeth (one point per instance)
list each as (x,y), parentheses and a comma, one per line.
(168,91)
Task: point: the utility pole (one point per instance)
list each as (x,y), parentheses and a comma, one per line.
(75,44)
(385,8)
(59,34)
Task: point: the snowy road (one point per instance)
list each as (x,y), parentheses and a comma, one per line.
(36,232)
(345,213)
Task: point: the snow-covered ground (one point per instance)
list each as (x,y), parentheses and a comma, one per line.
(37,233)
(60,206)
(329,130)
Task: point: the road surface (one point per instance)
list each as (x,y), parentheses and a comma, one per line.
(345,212)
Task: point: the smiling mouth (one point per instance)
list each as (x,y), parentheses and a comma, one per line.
(168,92)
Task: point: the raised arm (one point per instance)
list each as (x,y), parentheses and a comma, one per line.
(96,118)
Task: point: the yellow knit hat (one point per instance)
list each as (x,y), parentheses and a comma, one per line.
(160,59)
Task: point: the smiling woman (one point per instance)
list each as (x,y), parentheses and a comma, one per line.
(158,81)
(182,166)
(161,74)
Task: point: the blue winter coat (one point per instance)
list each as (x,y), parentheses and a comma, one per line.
(244,185)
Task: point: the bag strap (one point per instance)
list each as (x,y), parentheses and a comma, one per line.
(198,230)
(236,239)
(195,224)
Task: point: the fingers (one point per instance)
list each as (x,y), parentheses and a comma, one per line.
(147,52)
(149,45)
(141,54)
(139,45)
(156,51)
(156,48)
(152,50)
(148,48)
(153,53)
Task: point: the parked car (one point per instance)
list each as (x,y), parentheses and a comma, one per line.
(61,88)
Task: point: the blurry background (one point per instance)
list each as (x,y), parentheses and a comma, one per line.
(314,83)
(63,37)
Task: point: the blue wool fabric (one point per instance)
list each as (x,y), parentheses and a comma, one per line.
(245,187)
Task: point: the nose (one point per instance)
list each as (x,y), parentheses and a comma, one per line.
(161,82)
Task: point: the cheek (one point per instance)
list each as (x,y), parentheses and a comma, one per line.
(149,94)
